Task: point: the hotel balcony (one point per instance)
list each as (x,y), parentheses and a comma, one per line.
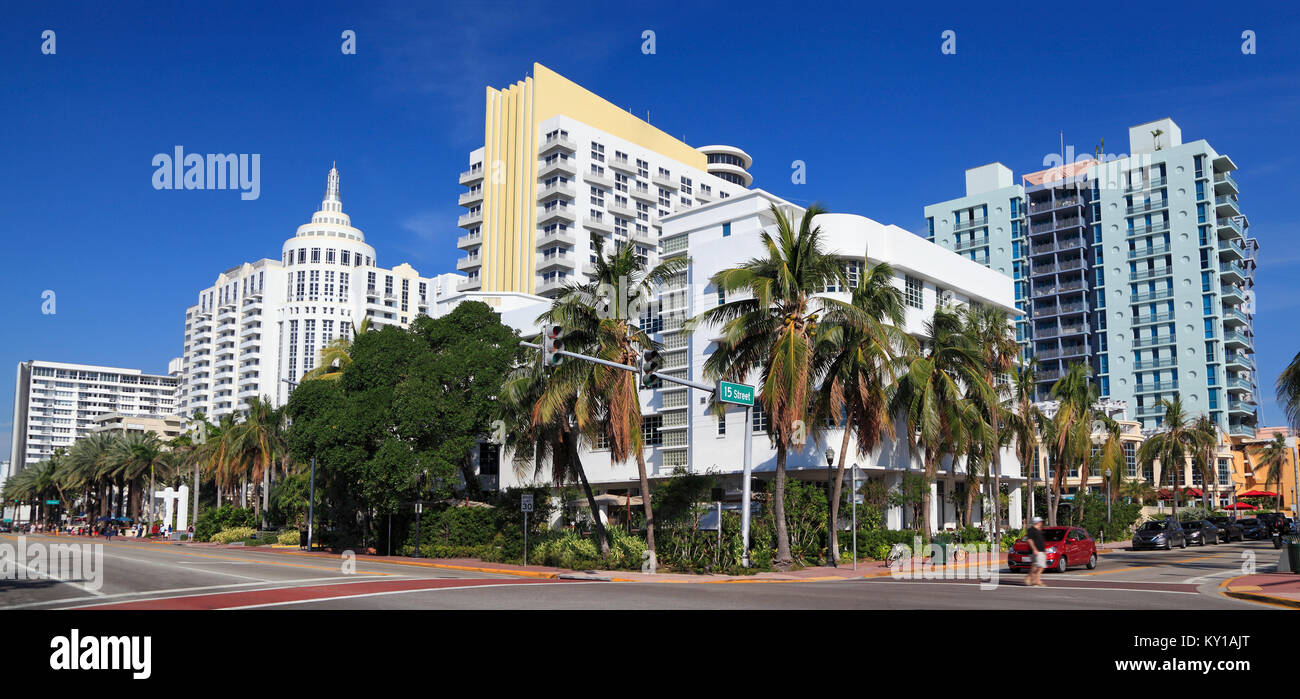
(1226,205)
(552,286)
(624,164)
(1048,310)
(557,142)
(971,243)
(1141,274)
(1241,406)
(557,189)
(1232,272)
(558,235)
(469,241)
(472,262)
(557,166)
(251,329)
(473,174)
(467,198)
(251,343)
(1233,293)
(649,237)
(1239,361)
(1142,183)
(1229,228)
(704,196)
(972,223)
(1231,248)
(598,224)
(1156,387)
(545,261)
(1232,315)
(472,218)
(1152,251)
(1240,385)
(644,194)
(1155,341)
(599,178)
(1152,318)
(1235,339)
(665,181)
(1147,206)
(555,213)
(473,284)
(620,211)
(1224,184)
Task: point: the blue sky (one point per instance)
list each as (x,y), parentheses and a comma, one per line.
(862,95)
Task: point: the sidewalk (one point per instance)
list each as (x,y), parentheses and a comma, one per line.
(866,569)
(1277,589)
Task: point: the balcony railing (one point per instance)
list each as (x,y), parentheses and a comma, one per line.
(1154,318)
(1150,273)
(974,243)
(971,223)
(1155,364)
(1145,183)
(1148,252)
(1147,206)
(1156,227)
(1154,341)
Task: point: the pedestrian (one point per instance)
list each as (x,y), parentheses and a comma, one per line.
(1038,545)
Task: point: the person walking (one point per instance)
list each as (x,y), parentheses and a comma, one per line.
(1037,544)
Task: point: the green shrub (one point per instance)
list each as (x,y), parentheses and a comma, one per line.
(289,537)
(227,536)
(569,550)
(971,535)
(225,517)
(881,551)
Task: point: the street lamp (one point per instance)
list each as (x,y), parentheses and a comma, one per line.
(830,509)
(855,516)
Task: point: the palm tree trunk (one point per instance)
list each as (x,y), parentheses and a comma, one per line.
(645,501)
(972,486)
(835,497)
(783,559)
(930,469)
(598,527)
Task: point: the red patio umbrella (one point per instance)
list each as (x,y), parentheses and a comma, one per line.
(1241,506)
(1194,492)
(1257,494)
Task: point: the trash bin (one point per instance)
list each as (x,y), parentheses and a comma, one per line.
(1293,553)
(302,538)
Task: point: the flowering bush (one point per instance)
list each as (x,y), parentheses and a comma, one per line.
(226,536)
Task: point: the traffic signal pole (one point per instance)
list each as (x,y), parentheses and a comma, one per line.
(711,389)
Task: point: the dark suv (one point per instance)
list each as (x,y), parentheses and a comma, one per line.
(1229,529)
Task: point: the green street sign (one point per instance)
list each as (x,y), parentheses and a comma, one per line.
(737,393)
(51,502)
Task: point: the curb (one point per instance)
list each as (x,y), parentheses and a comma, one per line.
(1225,589)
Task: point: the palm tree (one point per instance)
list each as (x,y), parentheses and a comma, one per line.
(1288,391)
(133,455)
(601,316)
(539,410)
(89,457)
(1177,440)
(337,355)
(771,330)
(1205,459)
(930,396)
(1025,424)
(995,337)
(1137,489)
(1068,434)
(258,443)
(864,345)
(1269,462)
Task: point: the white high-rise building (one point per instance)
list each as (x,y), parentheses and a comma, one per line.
(679,427)
(560,163)
(265,322)
(56,403)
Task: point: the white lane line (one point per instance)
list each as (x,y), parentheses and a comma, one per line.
(1198,579)
(147,561)
(40,574)
(399,592)
(168,591)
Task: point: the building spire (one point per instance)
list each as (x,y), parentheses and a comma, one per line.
(332,188)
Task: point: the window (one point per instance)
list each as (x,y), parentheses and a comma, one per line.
(651,430)
(1130,459)
(912,292)
(722,425)
(726,230)
(760,419)
(489,459)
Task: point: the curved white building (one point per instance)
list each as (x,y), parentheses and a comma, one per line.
(265,321)
(729,163)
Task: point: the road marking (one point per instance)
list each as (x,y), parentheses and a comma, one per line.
(1199,578)
(400,592)
(1156,565)
(163,595)
(166,591)
(71,583)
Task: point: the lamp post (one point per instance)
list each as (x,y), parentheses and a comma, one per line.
(1108,472)
(830,509)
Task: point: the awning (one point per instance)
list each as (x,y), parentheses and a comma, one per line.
(1257,494)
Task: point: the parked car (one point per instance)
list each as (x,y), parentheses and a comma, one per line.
(1201,532)
(1159,534)
(1254,529)
(1066,547)
(1229,529)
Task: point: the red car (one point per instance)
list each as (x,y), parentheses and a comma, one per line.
(1066,546)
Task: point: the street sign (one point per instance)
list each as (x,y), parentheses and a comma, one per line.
(526,502)
(51,502)
(737,393)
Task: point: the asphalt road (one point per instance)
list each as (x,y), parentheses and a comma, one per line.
(143,575)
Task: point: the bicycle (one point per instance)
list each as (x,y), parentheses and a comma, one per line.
(896,554)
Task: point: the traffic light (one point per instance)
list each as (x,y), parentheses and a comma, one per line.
(650,363)
(552,344)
